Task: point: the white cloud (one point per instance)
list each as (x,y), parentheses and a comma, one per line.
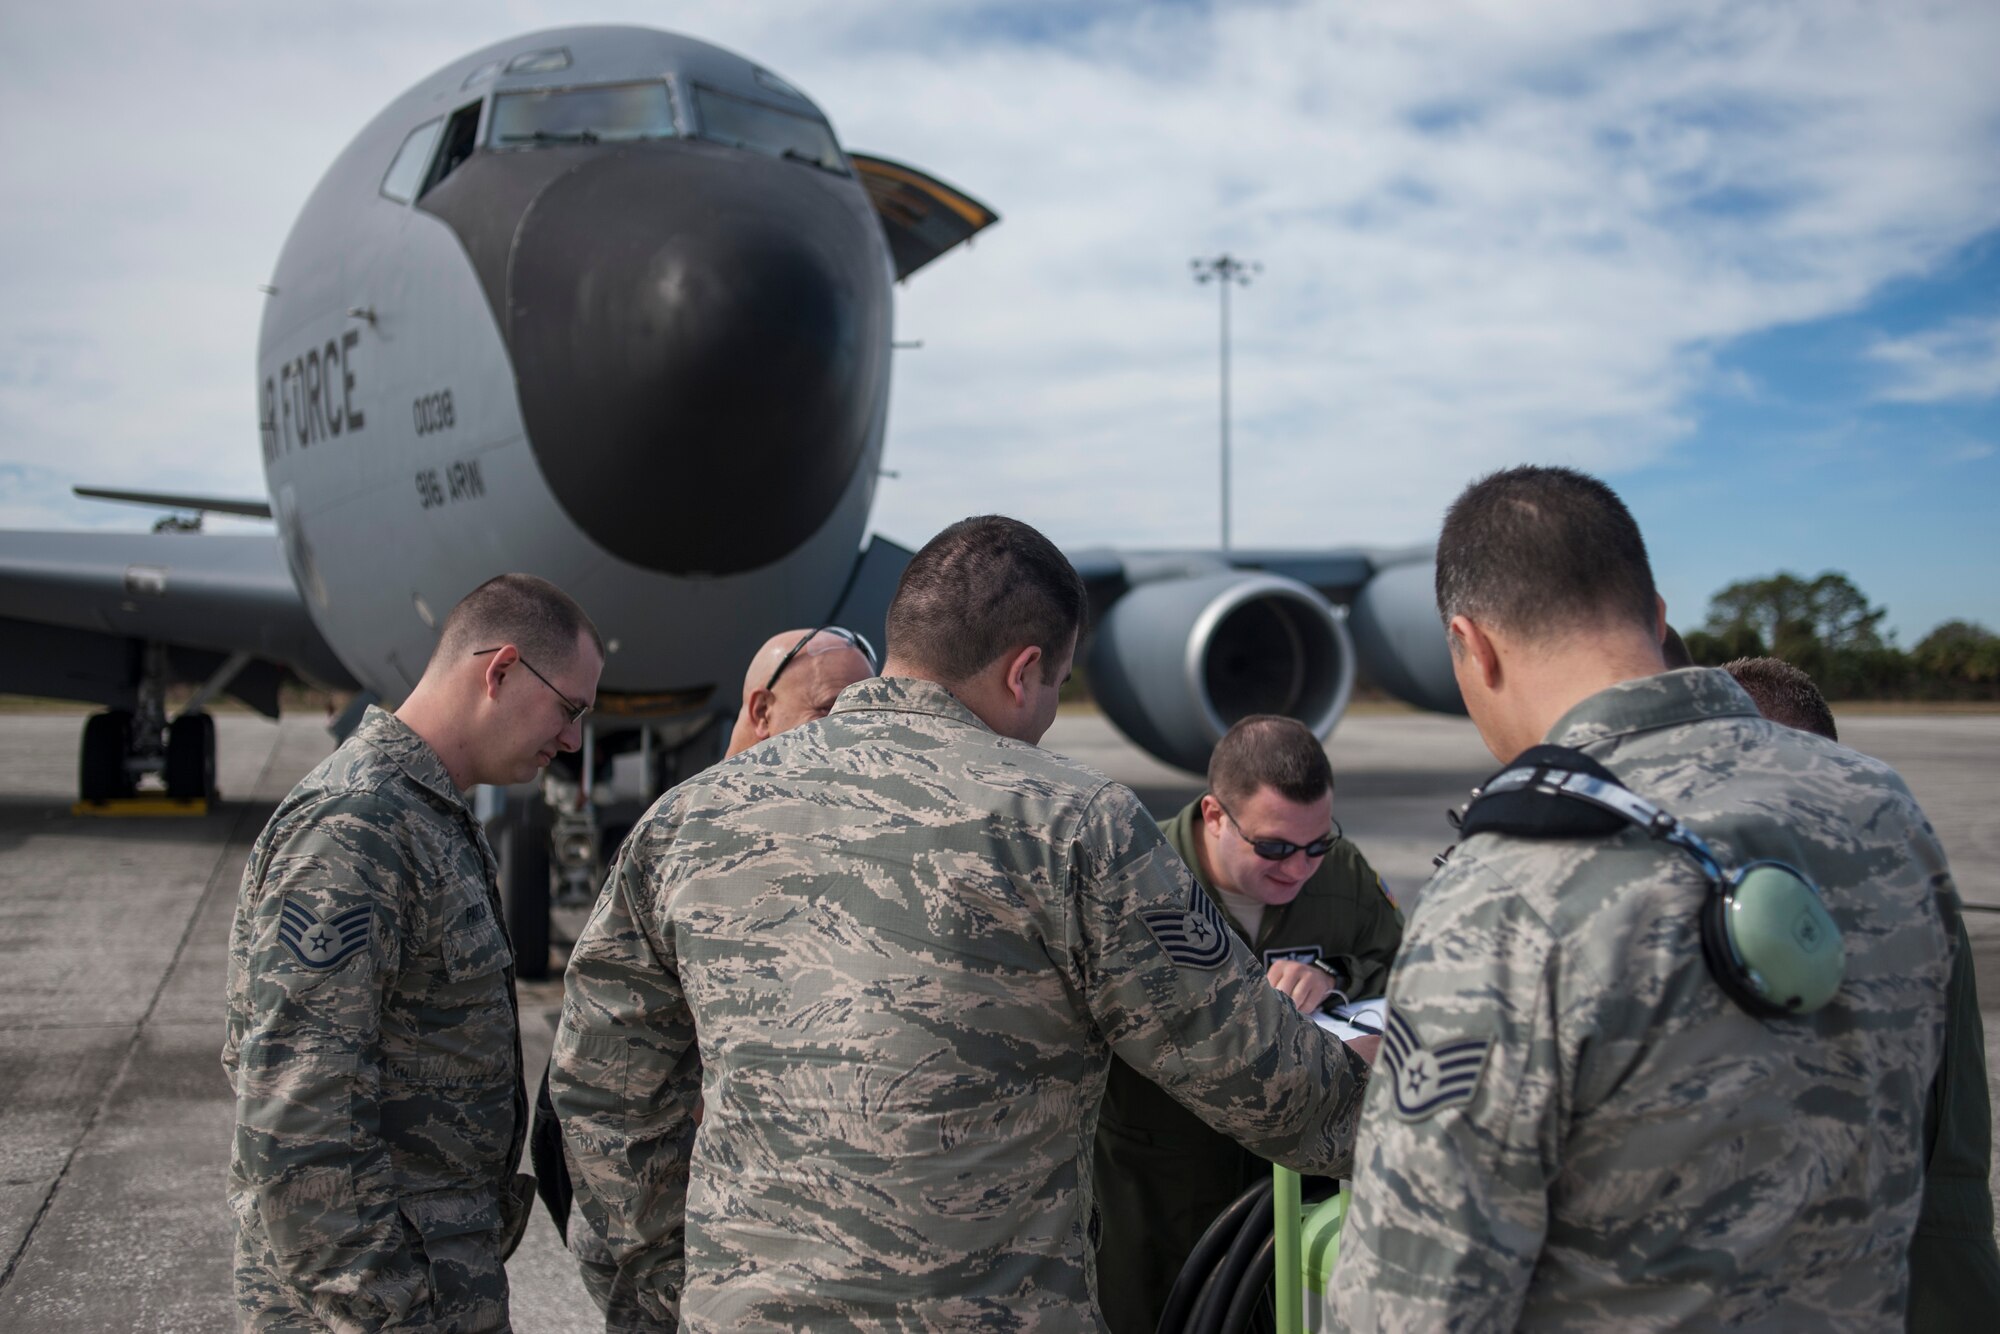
(1959,361)
(1491,232)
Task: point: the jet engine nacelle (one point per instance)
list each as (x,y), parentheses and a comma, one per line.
(1395,625)
(1175,663)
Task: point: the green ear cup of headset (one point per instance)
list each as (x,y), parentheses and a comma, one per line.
(1788,944)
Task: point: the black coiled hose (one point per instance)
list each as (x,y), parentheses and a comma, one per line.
(1225,1286)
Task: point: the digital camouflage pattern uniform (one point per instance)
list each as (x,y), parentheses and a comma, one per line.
(375,1051)
(1581,1131)
(1954,1265)
(910,949)
(1161,1175)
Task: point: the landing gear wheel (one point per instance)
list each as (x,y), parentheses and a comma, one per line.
(190,770)
(107,744)
(524,883)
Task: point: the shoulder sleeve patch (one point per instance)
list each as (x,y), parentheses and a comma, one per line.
(323,942)
(1429,1079)
(1194,935)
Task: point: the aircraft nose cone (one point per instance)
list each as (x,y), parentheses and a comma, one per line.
(699,351)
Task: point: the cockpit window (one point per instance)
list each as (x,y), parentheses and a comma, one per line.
(546,61)
(607,113)
(406,173)
(741,123)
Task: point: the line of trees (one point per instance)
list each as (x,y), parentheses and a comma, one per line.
(1826,628)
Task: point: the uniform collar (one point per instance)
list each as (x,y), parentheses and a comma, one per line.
(1646,703)
(1181,836)
(409,752)
(905,694)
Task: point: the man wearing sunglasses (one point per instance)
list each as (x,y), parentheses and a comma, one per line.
(795,678)
(1263,843)
(373,1039)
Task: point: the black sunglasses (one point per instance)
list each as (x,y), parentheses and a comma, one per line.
(574,709)
(858,642)
(1276,849)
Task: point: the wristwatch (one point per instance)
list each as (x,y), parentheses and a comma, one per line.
(1338,996)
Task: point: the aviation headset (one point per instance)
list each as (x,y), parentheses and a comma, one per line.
(1767,938)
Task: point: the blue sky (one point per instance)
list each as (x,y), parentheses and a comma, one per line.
(1737,256)
(1867,442)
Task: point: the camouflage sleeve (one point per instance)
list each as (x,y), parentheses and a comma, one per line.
(325,940)
(1461,1136)
(625,1078)
(1377,935)
(1182,1000)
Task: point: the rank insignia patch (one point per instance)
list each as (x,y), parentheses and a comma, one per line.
(1429,1079)
(318,943)
(1194,936)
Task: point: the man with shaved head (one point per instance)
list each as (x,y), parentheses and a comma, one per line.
(794,679)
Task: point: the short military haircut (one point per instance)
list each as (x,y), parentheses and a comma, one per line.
(530,613)
(1266,750)
(981,587)
(1539,551)
(1784,694)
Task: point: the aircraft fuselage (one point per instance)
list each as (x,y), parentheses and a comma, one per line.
(619,317)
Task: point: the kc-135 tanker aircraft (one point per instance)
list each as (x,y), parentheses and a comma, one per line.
(613,306)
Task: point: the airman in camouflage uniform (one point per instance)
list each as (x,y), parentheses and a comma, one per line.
(373,1040)
(1954,1265)
(1575,1128)
(892,954)
(1162,1176)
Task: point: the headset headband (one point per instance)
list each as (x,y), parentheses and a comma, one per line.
(1765,933)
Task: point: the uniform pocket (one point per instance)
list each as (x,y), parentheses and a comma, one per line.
(455,1240)
(476,949)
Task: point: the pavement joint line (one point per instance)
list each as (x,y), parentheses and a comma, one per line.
(111,1086)
(109,1023)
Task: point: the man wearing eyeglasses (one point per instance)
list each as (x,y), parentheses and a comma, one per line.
(795,678)
(373,1039)
(1263,843)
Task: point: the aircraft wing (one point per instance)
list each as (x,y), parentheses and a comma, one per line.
(1337,574)
(921,215)
(76,608)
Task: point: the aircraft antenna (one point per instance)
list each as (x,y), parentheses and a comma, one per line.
(1225,271)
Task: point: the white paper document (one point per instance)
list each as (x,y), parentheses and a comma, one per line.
(1356,1019)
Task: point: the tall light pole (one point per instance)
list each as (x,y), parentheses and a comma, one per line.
(1225,271)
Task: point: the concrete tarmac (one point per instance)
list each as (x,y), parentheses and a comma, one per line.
(115,1118)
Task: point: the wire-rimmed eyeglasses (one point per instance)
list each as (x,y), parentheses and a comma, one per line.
(858,642)
(575,710)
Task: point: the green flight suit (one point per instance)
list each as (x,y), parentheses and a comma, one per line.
(1954,1267)
(1161,1175)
